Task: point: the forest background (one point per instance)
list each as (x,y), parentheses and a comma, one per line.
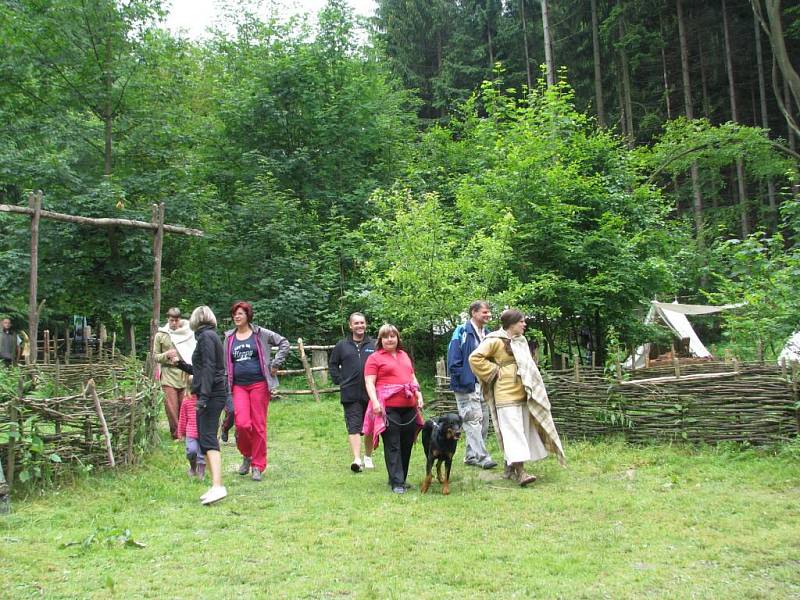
(573,158)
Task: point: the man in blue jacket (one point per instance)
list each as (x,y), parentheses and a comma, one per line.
(471,406)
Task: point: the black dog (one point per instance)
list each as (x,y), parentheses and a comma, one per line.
(440,438)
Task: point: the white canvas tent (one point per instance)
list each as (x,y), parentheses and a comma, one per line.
(791,351)
(674,316)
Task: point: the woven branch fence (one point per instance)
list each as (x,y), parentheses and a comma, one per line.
(100,419)
(707,403)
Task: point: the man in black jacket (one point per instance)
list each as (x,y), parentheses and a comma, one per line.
(346,366)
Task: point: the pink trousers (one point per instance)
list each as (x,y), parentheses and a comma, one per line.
(250,410)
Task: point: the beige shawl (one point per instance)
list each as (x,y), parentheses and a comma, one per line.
(538,403)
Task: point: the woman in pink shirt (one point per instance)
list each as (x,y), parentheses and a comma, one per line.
(395,399)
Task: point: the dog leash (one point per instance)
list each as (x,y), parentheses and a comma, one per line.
(388,418)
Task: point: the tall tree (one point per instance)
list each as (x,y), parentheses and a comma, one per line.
(625,76)
(770,15)
(548,46)
(689,111)
(742,192)
(598,75)
(525,43)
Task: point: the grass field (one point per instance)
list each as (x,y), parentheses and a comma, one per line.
(619,522)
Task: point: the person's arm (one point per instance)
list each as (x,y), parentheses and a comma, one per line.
(335,365)
(276,339)
(420,402)
(481,360)
(204,372)
(159,353)
(455,358)
(369,382)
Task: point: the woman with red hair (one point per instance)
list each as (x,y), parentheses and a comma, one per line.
(251,378)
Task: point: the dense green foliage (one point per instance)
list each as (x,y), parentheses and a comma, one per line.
(404,173)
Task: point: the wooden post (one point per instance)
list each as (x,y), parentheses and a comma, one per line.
(795,396)
(35,203)
(92,391)
(319,358)
(87,333)
(309,376)
(158,244)
(132,427)
(563,362)
(676,364)
(100,340)
(68,339)
(783,368)
(736,366)
(618,365)
(576,366)
(5,493)
(133,340)
(58,392)
(113,344)
(46,354)
(13,430)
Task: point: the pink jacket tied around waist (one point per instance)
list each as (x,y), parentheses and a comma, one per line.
(375,425)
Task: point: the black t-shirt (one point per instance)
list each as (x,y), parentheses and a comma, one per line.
(246,363)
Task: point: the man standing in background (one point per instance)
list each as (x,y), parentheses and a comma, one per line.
(9,343)
(471,406)
(346,367)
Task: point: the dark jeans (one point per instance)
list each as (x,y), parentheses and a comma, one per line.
(208,424)
(398,440)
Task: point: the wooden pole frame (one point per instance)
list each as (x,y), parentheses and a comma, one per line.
(34,210)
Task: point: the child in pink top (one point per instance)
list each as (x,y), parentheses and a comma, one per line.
(187,428)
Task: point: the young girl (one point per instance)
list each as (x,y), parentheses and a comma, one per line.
(187,429)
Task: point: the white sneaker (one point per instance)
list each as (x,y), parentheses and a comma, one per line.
(368,463)
(215,494)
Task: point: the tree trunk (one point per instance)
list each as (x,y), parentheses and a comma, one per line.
(687,101)
(525,42)
(762,94)
(626,82)
(548,48)
(489,38)
(791,137)
(108,117)
(704,79)
(773,25)
(598,76)
(664,70)
(741,191)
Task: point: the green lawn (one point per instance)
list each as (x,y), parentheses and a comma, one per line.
(619,522)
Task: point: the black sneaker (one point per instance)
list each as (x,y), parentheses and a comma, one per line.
(244,469)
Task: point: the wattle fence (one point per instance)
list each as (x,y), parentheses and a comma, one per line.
(701,403)
(91,415)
